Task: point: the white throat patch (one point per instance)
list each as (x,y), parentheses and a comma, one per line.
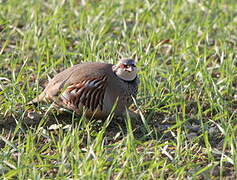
(125,75)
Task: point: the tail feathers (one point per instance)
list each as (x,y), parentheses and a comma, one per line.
(38,99)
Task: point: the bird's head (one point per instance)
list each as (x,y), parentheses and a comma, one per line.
(126,69)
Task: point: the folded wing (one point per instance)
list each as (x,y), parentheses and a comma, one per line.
(88,93)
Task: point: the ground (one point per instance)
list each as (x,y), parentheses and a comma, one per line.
(187,100)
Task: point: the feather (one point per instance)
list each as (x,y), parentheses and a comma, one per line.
(89,92)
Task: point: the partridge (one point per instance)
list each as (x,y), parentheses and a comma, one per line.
(94,88)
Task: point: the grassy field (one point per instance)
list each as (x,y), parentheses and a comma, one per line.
(186,52)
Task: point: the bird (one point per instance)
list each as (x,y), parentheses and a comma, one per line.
(94,88)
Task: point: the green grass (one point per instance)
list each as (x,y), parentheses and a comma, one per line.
(186,52)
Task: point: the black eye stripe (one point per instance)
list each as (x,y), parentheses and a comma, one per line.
(130,65)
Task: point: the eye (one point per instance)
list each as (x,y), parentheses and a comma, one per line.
(123,66)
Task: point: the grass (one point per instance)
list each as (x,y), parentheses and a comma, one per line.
(186,52)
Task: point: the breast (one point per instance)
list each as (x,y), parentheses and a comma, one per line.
(120,92)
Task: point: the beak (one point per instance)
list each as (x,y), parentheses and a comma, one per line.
(130,69)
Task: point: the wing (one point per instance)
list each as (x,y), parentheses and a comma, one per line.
(88,93)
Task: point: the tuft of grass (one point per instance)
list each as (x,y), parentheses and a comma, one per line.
(186,52)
